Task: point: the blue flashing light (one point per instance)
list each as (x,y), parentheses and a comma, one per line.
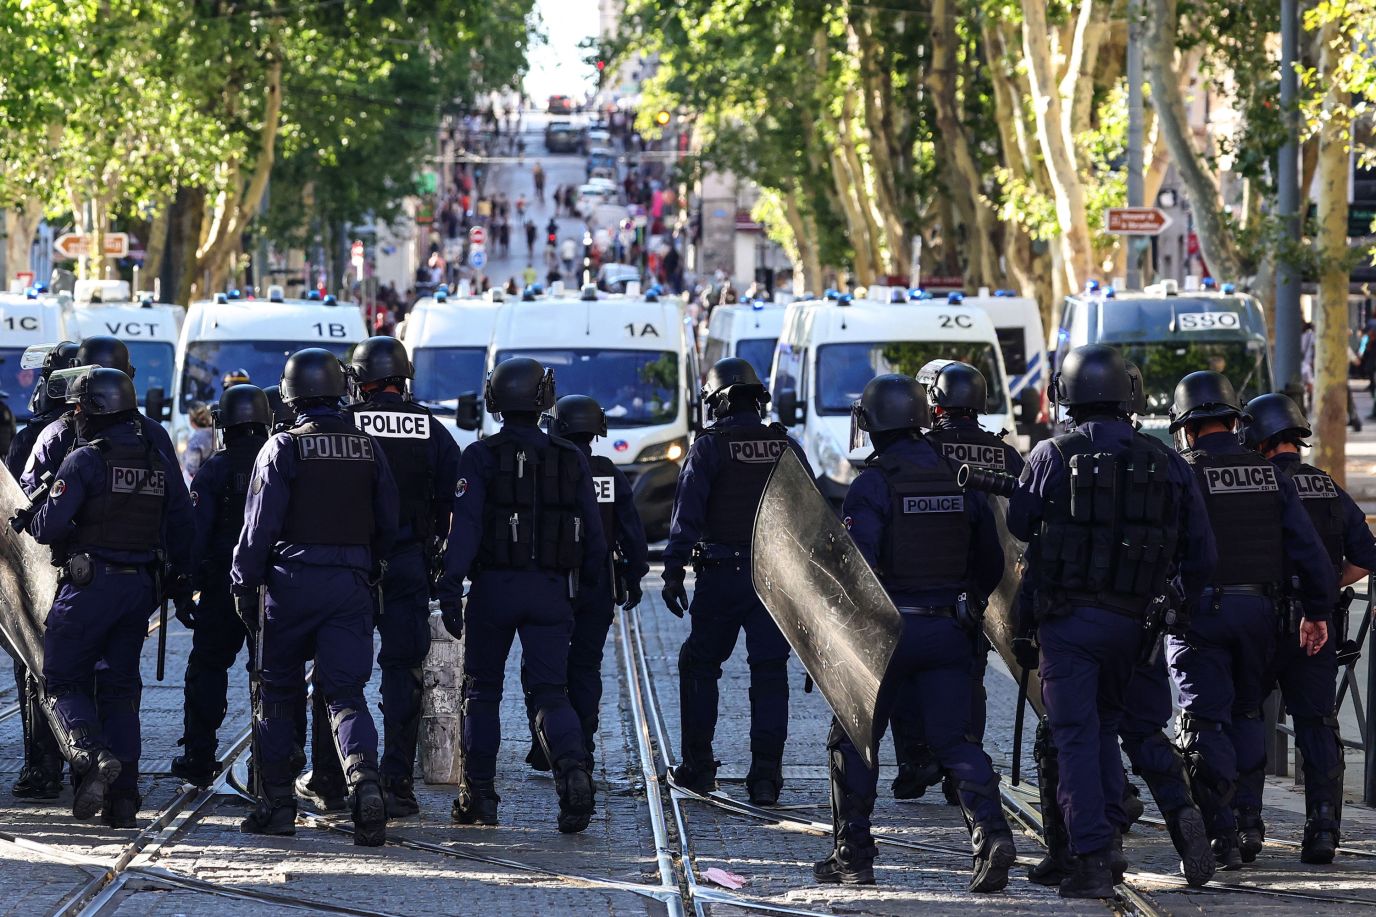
(757,305)
(330,300)
(31,293)
(441,294)
(221,298)
(41,286)
(1209,283)
(1230,288)
(1110,293)
(832,295)
(955,298)
(845,299)
(313,295)
(1063,335)
(1092,286)
(1002,293)
(897,296)
(235,294)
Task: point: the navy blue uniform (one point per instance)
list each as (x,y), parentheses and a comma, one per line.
(1220,665)
(1088,652)
(60,437)
(21,447)
(724,602)
(106,620)
(932,665)
(511,598)
(318,599)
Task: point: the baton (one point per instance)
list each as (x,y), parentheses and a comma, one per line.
(1017,724)
(256,691)
(162,621)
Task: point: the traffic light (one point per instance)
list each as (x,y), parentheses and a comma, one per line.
(601,65)
(662,118)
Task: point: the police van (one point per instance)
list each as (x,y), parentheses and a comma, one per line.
(830,349)
(749,331)
(25,320)
(1022,341)
(1168,333)
(634,354)
(149,329)
(446,338)
(230,332)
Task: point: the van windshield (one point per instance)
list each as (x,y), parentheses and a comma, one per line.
(636,388)
(16,384)
(445,373)
(208,361)
(1164,363)
(154,364)
(758,352)
(843,370)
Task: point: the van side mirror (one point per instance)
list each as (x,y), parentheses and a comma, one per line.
(156,405)
(467,415)
(790,411)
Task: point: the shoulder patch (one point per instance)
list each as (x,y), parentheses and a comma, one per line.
(195,498)
(461,487)
(847,523)
(257,487)
(58,489)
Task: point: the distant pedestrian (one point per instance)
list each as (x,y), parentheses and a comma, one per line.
(504,238)
(530,237)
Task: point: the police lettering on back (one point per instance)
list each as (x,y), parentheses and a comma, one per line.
(394,424)
(604,488)
(334,446)
(1315,487)
(758,451)
(982,456)
(136,481)
(934,504)
(1243,479)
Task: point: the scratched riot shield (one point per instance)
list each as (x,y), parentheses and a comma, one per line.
(28,581)
(825,598)
(1000,618)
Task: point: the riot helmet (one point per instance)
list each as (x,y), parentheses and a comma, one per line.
(890,403)
(313,374)
(243,404)
(381,359)
(732,384)
(954,386)
(1138,403)
(51,358)
(519,385)
(1093,374)
(1202,395)
(107,351)
(234,377)
(576,415)
(1270,417)
(280,412)
(103,397)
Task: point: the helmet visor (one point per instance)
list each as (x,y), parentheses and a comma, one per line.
(34,356)
(859,437)
(63,384)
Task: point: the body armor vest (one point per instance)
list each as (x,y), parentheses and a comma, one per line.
(927,541)
(1109,533)
(747,456)
(604,487)
(532,515)
(1243,499)
(127,515)
(403,431)
(332,494)
(1319,497)
(977,448)
(229,509)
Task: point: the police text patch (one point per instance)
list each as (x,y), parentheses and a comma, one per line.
(1241,479)
(135,480)
(980,455)
(394,424)
(605,488)
(1315,487)
(954,503)
(342,446)
(758,451)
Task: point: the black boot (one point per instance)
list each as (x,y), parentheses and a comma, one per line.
(369,811)
(916,773)
(764,781)
(577,798)
(400,796)
(1117,859)
(849,864)
(1191,840)
(325,794)
(1320,836)
(1227,854)
(853,849)
(122,811)
(37,782)
(275,813)
(697,772)
(98,768)
(994,856)
(195,769)
(1058,862)
(476,803)
(536,757)
(1132,802)
(1251,833)
(1091,878)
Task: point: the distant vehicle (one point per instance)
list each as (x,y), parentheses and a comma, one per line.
(613,278)
(447,339)
(563,137)
(1168,333)
(597,137)
(749,331)
(25,321)
(591,196)
(601,159)
(1018,323)
(560,105)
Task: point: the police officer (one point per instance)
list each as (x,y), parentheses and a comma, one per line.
(956,394)
(315,556)
(1220,663)
(111,514)
(1110,516)
(526,529)
(41,775)
(282,416)
(579,419)
(719,490)
(938,555)
(218,495)
(1277,428)
(234,377)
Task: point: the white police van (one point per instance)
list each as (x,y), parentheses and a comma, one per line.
(749,331)
(25,320)
(149,329)
(830,349)
(1169,332)
(446,338)
(635,355)
(256,335)
(1022,341)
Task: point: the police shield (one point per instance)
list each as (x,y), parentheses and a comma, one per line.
(1001,617)
(825,598)
(28,582)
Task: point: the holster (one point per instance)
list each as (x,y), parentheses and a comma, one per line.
(79,570)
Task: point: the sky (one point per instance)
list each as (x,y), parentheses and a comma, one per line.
(556,66)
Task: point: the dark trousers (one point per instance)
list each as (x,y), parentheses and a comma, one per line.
(593,613)
(501,605)
(404,626)
(218,637)
(1087,658)
(1146,712)
(724,604)
(105,621)
(909,741)
(40,745)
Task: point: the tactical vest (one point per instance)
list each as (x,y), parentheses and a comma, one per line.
(332,494)
(977,448)
(1243,498)
(927,542)
(1319,497)
(127,514)
(604,488)
(1109,529)
(403,431)
(229,511)
(531,515)
(747,456)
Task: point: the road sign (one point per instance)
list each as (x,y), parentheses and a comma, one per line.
(73,245)
(356,256)
(477,235)
(477,259)
(1136,221)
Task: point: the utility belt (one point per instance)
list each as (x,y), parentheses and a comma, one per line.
(1060,602)
(967,611)
(709,555)
(81,569)
(922,611)
(1254,590)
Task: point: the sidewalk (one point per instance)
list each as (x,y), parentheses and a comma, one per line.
(1361,453)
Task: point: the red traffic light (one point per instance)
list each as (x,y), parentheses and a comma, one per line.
(601,65)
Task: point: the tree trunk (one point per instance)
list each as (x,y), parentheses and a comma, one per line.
(804,239)
(860,186)
(21,227)
(156,243)
(878,127)
(186,235)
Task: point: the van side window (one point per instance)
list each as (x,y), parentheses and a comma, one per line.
(1013,344)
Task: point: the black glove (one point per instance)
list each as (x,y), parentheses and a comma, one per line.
(633,595)
(451,614)
(246,607)
(675,596)
(185,611)
(1025,652)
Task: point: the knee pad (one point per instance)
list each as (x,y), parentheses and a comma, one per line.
(541,696)
(1206,781)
